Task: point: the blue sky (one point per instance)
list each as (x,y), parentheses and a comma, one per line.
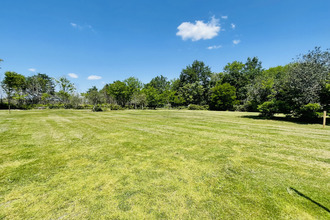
(113,40)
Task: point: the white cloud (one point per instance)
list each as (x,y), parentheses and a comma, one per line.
(214,47)
(74,25)
(73,75)
(236,42)
(32,69)
(233,26)
(82,27)
(94,77)
(199,30)
(224,17)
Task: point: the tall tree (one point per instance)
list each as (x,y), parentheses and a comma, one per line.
(307,77)
(223,97)
(252,68)
(134,85)
(264,87)
(106,95)
(160,83)
(119,90)
(93,96)
(242,75)
(197,73)
(192,93)
(38,86)
(152,96)
(66,89)
(162,86)
(11,84)
(1,60)
(139,99)
(234,75)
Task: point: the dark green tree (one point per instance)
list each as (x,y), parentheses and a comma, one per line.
(223,97)
(120,91)
(93,96)
(264,87)
(234,75)
(252,68)
(242,75)
(160,83)
(134,85)
(106,94)
(152,97)
(162,86)
(193,76)
(192,93)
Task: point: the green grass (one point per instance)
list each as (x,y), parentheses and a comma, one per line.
(66,164)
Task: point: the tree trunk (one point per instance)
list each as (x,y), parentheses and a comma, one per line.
(9,106)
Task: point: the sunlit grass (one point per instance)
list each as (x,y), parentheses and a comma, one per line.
(66,164)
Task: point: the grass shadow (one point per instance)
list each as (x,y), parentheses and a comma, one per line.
(293,120)
(311,200)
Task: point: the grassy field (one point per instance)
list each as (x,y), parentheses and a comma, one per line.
(70,164)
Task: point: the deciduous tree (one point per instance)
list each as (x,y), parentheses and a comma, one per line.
(11,84)
(223,97)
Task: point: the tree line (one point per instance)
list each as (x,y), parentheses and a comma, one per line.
(298,89)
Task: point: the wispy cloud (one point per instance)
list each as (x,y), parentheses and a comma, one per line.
(224,17)
(73,25)
(214,47)
(94,77)
(32,69)
(199,30)
(236,42)
(73,75)
(82,27)
(233,26)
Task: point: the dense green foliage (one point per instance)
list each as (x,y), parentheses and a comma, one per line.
(291,89)
(166,164)
(223,97)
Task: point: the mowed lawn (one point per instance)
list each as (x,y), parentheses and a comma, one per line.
(161,164)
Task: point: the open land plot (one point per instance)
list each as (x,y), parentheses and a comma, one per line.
(70,164)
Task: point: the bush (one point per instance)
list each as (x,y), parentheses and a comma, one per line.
(78,107)
(268,109)
(40,106)
(3,105)
(181,107)
(309,111)
(24,107)
(86,106)
(198,107)
(115,107)
(240,108)
(97,108)
(56,106)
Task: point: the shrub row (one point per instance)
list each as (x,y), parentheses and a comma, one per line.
(198,107)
